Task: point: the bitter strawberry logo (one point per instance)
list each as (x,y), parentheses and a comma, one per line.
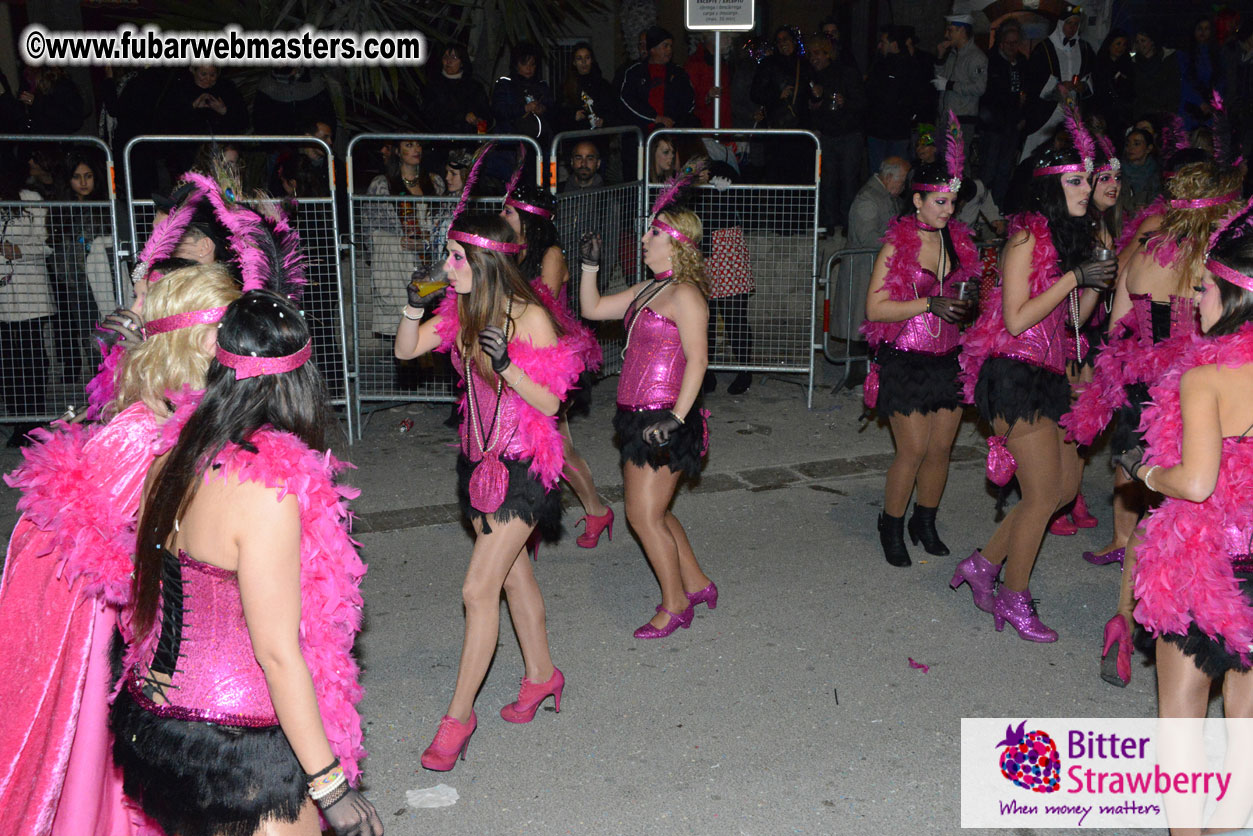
(1030,759)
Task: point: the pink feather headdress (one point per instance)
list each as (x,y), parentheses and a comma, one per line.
(1083,142)
(469,238)
(165,235)
(514,180)
(1234,226)
(1226,149)
(1112,163)
(954,160)
(1174,138)
(670,194)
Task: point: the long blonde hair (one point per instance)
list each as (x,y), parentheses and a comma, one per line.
(686,260)
(166,362)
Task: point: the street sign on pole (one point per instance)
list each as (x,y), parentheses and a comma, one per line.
(718,16)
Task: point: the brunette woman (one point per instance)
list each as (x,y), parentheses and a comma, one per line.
(587,100)
(1015,367)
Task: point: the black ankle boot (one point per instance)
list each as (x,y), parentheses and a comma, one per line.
(892,538)
(922,527)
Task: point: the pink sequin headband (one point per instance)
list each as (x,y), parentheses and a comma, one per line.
(526,207)
(247,365)
(1112,164)
(208,316)
(1204,202)
(1085,167)
(672,232)
(938,187)
(485,243)
(1229,273)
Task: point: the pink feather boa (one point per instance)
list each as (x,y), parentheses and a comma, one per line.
(989,335)
(904,271)
(1183,571)
(554,367)
(330,570)
(102,388)
(1132,226)
(1129,357)
(582,338)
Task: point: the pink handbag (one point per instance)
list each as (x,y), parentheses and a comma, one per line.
(870,390)
(1001,462)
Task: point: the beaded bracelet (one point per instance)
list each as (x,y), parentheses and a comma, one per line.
(405,313)
(1146,479)
(591,268)
(326,781)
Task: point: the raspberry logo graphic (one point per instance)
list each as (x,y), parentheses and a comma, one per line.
(1030,759)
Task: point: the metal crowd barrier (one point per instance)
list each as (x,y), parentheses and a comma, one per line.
(613,209)
(314,217)
(59,276)
(854,265)
(771,328)
(390,236)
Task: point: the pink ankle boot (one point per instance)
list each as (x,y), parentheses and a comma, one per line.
(980,574)
(1019,610)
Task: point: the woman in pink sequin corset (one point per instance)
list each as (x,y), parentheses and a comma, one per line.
(236,709)
(1153,318)
(67,572)
(516,370)
(1014,365)
(529,212)
(1194,580)
(662,431)
(913,318)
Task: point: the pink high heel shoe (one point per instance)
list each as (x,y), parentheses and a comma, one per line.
(532,546)
(1112,556)
(707,596)
(1079,514)
(1062,526)
(1116,665)
(452,738)
(677,620)
(531,694)
(593,527)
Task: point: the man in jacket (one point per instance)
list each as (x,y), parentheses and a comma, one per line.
(1000,110)
(961,75)
(657,93)
(889,86)
(1158,82)
(837,109)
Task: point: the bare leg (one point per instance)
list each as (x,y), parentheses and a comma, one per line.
(648,494)
(578,474)
(526,608)
(1233,811)
(1182,691)
(1129,502)
(306,825)
(910,432)
(933,474)
(490,563)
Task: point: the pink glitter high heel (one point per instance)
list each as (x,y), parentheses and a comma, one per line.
(707,596)
(594,526)
(531,694)
(677,620)
(1019,610)
(452,738)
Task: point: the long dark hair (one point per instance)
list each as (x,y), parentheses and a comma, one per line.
(538,232)
(496,279)
(933,174)
(72,161)
(570,89)
(1072,237)
(1191,51)
(395,184)
(261,324)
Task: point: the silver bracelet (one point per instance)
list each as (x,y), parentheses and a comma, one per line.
(676,416)
(405,313)
(591,268)
(1146,479)
(513,384)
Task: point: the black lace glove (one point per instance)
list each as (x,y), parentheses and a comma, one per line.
(950,310)
(121,326)
(658,434)
(493,343)
(1099,275)
(423,276)
(350,814)
(589,249)
(1131,460)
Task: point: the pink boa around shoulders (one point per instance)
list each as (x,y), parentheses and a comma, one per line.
(555,367)
(988,335)
(330,572)
(582,339)
(102,388)
(904,270)
(1132,225)
(1183,571)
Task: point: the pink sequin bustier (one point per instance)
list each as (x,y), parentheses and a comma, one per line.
(215,677)
(926,333)
(652,370)
(509,444)
(1044,344)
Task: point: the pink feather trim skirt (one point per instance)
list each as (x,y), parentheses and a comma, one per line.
(1208,653)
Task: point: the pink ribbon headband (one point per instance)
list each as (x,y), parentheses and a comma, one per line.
(208,316)
(485,243)
(673,233)
(1204,202)
(1230,274)
(526,207)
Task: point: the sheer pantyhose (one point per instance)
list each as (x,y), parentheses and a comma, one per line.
(648,496)
(924,442)
(578,474)
(499,562)
(1048,474)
